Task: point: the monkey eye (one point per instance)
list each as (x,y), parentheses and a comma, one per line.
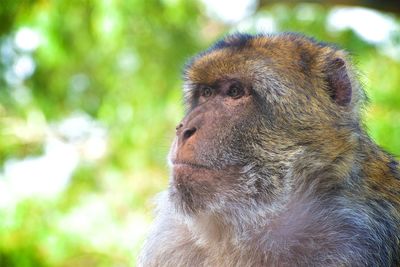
(206,91)
(235,91)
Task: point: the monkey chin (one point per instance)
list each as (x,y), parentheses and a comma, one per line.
(194,188)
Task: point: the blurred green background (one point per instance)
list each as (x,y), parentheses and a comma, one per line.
(90,96)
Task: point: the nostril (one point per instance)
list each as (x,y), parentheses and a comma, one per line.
(188,133)
(179,126)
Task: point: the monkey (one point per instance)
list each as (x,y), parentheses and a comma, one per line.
(271,164)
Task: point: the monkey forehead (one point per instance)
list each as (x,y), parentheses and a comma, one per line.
(212,66)
(249,56)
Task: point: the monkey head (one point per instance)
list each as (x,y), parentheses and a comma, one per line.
(261,112)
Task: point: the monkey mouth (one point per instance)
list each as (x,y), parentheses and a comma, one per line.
(190,165)
(188,171)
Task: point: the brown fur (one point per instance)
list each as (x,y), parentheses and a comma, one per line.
(271,166)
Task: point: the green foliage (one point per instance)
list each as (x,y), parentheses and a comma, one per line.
(119,63)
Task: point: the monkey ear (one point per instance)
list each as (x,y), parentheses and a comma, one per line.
(338,82)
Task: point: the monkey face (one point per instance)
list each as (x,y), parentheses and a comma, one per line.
(207,155)
(254,106)
(227,151)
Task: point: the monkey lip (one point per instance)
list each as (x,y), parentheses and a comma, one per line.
(191,165)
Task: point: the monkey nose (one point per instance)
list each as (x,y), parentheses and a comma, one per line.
(180,125)
(188,132)
(184,131)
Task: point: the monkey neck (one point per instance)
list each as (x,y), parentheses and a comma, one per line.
(274,227)
(304,202)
